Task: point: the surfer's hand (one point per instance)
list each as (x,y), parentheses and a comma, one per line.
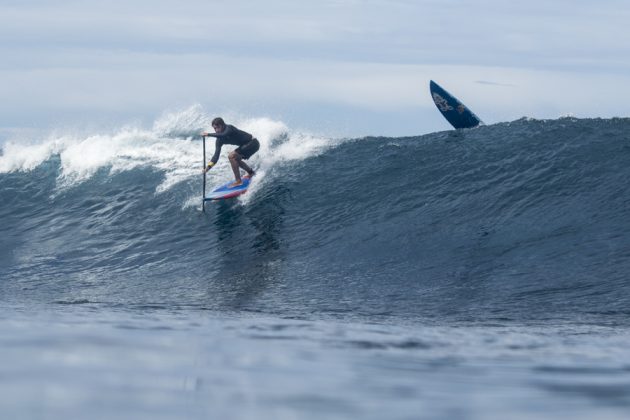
(204,134)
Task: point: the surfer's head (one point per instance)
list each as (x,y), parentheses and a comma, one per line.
(218,124)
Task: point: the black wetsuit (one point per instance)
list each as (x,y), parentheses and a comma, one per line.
(247,144)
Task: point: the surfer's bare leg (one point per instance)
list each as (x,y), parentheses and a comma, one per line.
(246,167)
(235,162)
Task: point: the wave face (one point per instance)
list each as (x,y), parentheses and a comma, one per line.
(526,220)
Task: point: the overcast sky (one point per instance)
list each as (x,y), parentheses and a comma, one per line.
(341,68)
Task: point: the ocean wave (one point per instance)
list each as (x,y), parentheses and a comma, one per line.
(519,220)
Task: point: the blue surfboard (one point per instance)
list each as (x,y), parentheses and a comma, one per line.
(225,191)
(453,110)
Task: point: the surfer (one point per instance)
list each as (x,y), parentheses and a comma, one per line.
(228,134)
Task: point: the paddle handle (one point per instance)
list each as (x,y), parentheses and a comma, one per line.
(203,197)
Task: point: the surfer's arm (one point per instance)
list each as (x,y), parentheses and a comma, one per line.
(226,132)
(217,152)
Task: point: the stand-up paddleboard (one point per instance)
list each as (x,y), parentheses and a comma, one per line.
(225,191)
(453,110)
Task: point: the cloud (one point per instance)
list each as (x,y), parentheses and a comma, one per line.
(92,59)
(486,82)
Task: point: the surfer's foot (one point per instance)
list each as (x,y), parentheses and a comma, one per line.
(236,184)
(251,174)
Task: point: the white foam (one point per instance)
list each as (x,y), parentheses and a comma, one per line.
(182,123)
(26,157)
(171,146)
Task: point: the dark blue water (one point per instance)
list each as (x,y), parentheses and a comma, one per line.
(513,221)
(517,233)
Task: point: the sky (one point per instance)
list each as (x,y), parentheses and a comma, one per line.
(335,67)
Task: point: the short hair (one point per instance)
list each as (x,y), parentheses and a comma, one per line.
(218,121)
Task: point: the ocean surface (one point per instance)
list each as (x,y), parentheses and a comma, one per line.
(475,274)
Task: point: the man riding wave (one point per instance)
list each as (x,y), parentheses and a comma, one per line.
(247,146)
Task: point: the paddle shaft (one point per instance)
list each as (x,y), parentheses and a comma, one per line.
(203,197)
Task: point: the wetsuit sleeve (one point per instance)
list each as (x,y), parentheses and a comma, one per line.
(217,151)
(228,130)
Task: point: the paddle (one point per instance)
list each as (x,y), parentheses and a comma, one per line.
(203,198)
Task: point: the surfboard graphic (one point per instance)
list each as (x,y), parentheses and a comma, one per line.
(453,110)
(225,191)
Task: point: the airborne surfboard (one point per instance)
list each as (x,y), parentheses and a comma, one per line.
(452,109)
